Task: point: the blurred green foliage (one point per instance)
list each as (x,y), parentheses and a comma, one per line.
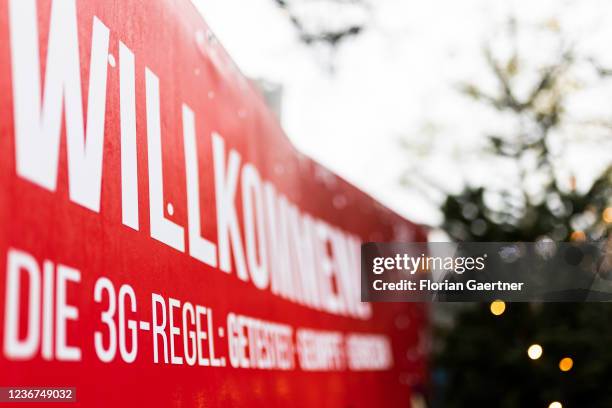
(485,360)
(482,359)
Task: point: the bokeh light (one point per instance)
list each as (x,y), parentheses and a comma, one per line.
(498,307)
(535,351)
(566,364)
(578,236)
(555,404)
(607,215)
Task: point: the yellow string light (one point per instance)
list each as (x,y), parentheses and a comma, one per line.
(498,307)
(566,364)
(607,215)
(535,351)
(578,236)
(555,404)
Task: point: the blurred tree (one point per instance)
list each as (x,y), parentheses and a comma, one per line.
(546,202)
(326,21)
(485,363)
(483,358)
(552,211)
(324,24)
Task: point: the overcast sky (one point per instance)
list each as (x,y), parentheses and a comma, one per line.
(398,79)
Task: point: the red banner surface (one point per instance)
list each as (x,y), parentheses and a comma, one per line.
(162,243)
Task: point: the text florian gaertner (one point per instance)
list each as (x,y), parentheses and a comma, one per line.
(408,266)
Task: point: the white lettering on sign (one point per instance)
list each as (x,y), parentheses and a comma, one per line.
(162,228)
(254,225)
(228,230)
(45,297)
(181,320)
(199,247)
(369,352)
(277,246)
(38,125)
(127,109)
(321,350)
(23,270)
(255,343)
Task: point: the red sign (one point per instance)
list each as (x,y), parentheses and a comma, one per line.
(162,243)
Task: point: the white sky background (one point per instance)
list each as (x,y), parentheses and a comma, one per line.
(398,79)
